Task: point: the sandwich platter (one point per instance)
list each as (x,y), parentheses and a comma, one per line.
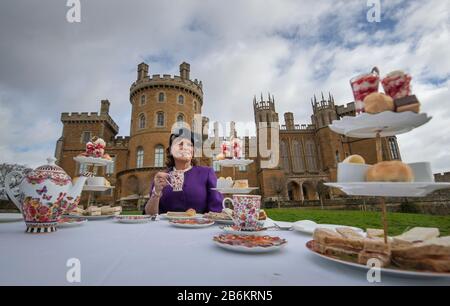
(391,270)
(100,217)
(389,189)
(191,223)
(181,217)
(386,123)
(133,219)
(249,244)
(308,227)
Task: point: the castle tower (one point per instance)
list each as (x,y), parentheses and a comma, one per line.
(160,104)
(289,120)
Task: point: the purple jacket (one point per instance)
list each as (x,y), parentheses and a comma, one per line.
(196,194)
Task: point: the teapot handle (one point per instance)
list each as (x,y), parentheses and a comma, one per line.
(224,201)
(9,192)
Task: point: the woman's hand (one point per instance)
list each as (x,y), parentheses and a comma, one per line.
(160,181)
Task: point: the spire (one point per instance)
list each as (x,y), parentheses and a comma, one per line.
(273,99)
(262,99)
(315,99)
(323,99)
(270,100)
(254,99)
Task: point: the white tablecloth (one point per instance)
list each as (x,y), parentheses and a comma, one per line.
(156,253)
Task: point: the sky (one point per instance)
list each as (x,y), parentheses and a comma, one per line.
(238,48)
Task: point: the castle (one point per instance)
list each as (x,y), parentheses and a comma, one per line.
(308,153)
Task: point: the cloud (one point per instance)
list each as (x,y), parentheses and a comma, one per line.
(292,49)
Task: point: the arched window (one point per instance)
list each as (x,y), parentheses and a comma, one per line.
(161,97)
(394,149)
(284,156)
(298,164)
(159,156)
(180,118)
(142,99)
(141,121)
(160,119)
(180,99)
(311,158)
(195,106)
(140,157)
(337,157)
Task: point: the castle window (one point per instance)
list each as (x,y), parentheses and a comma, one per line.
(180,99)
(111,167)
(195,106)
(337,157)
(284,158)
(180,118)
(161,97)
(242,168)
(142,99)
(311,158)
(86,137)
(298,164)
(159,156)
(394,149)
(140,157)
(142,121)
(160,119)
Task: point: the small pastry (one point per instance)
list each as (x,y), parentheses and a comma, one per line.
(390,171)
(377,103)
(354,159)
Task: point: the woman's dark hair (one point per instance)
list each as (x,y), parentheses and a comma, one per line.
(181,133)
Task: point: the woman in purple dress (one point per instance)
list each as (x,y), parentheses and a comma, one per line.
(198,181)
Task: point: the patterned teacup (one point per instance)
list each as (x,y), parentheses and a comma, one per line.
(176,180)
(245,210)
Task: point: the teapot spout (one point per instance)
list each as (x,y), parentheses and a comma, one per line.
(75,190)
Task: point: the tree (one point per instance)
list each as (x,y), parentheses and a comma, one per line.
(323,191)
(278,185)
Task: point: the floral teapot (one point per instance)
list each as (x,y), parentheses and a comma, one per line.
(44,195)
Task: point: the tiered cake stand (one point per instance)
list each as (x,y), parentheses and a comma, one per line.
(384,124)
(93,163)
(234,163)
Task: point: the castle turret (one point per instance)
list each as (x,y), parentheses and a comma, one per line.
(324,111)
(289,120)
(142,71)
(185,69)
(104,108)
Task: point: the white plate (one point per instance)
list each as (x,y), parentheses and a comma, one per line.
(235,190)
(191,225)
(197,216)
(82,221)
(127,220)
(234,162)
(96,188)
(308,227)
(92,160)
(244,249)
(102,217)
(389,189)
(415,274)
(388,123)
(10,217)
(230,230)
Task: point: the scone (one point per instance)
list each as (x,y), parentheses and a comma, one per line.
(390,171)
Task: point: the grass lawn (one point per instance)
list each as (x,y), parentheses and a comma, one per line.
(398,222)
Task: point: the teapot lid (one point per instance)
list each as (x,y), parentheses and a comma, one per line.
(51,172)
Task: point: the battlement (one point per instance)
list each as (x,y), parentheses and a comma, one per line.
(299,127)
(264,104)
(322,104)
(346,110)
(89,117)
(120,141)
(166,80)
(442,177)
